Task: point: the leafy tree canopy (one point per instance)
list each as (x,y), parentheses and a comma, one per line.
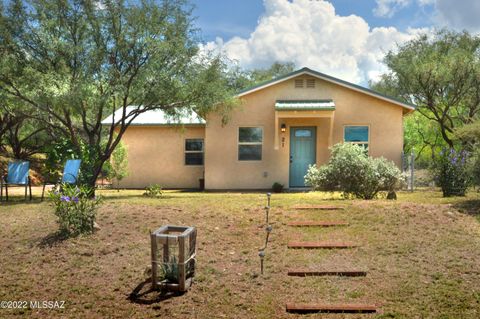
(441,75)
(243,79)
(72,62)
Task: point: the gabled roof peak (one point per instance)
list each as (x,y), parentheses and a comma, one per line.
(305,70)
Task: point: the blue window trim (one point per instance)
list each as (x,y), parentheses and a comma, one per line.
(362,137)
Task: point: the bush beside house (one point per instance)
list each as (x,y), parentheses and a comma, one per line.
(277,187)
(351,171)
(117,168)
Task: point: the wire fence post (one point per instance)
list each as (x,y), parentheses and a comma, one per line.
(412,171)
(408,168)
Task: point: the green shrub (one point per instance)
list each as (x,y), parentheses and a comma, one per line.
(474,165)
(116,168)
(153,190)
(277,187)
(63,149)
(354,173)
(75,208)
(451,172)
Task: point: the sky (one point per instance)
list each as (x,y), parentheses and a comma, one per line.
(343,38)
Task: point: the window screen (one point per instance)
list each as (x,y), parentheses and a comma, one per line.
(194,152)
(250,141)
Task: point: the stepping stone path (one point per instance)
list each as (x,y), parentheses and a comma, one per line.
(324,308)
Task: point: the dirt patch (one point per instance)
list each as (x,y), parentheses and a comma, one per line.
(422,259)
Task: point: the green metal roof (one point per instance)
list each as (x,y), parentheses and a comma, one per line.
(305,105)
(329,78)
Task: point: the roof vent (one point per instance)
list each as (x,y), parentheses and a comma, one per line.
(299,83)
(310,83)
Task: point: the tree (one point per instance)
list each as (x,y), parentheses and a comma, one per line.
(19,136)
(7,121)
(74,62)
(277,69)
(471,132)
(422,137)
(242,79)
(117,167)
(441,75)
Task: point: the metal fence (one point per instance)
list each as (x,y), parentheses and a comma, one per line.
(408,167)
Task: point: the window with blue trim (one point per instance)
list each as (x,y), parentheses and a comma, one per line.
(357,135)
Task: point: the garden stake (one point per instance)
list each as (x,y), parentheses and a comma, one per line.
(268,229)
(267,208)
(261,253)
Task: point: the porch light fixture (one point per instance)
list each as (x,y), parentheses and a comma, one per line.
(283,128)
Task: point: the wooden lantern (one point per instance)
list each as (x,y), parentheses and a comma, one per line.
(173,257)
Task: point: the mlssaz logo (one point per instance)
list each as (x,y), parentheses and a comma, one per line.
(47,304)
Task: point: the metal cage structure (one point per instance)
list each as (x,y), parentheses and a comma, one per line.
(173,257)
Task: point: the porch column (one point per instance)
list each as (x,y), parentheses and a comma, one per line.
(330,135)
(276,139)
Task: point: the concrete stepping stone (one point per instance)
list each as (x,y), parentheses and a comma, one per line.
(318,223)
(320,245)
(318,207)
(308,272)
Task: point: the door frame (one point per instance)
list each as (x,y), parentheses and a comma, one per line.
(292,130)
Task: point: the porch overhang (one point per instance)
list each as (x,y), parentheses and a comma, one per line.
(305,105)
(303,109)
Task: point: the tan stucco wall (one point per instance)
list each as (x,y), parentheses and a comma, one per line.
(156,155)
(224,171)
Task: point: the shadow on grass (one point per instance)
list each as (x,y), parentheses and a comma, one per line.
(17,200)
(53,239)
(470,207)
(144,294)
(134,196)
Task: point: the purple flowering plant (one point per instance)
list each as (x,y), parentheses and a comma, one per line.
(451,172)
(75,208)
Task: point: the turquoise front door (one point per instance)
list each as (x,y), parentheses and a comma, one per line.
(302,153)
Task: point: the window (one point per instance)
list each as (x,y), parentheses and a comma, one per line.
(303,133)
(311,83)
(357,135)
(299,83)
(194,151)
(250,143)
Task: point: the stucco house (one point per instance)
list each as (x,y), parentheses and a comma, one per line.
(281,127)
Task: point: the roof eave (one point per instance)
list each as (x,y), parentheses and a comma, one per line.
(305,108)
(159,124)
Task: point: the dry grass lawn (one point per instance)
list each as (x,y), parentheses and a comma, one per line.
(422,254)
